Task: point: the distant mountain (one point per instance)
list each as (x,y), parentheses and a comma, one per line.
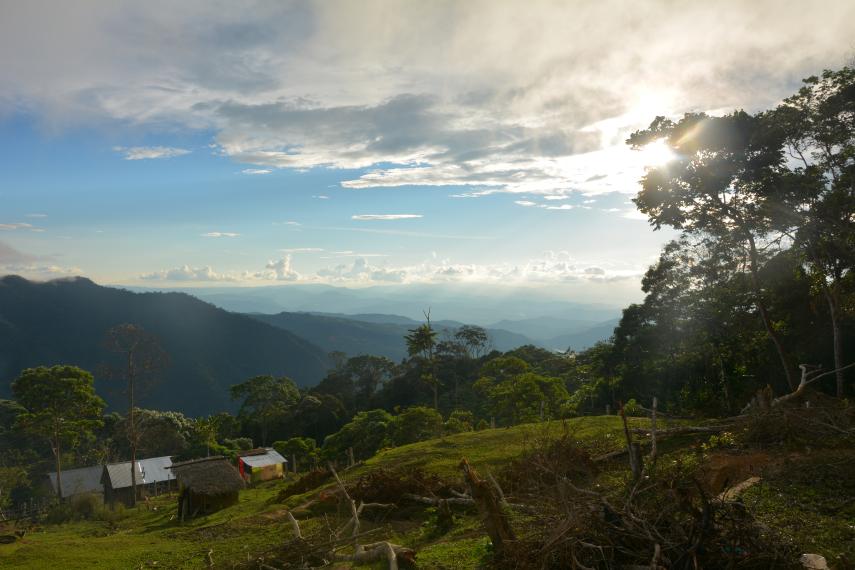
(381,335)
(583,339)
(545,328)
(65,321)
(467,303)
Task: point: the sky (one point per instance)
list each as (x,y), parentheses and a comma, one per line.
(208,143)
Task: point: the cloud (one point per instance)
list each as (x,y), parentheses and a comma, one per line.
(321,197)
(10,227)
(36,215)
(465,97)
(188,273)
(279,270)
(302,249)
(551,268)
(16,262)
(525,203)
(369,217)
(150,152)
(256,171)
(220,234)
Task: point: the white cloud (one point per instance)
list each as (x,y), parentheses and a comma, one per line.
(279,270)
(302,249)
(16,262)
(18,226)
(188,273)
(321,197)
(525,203)
(369,217)
(551,268)
(220,234)
(150,152)
(438,97)
(36,215)
(256,171)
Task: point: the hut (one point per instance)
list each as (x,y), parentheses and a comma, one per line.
(261,464)
(153,477)
(206,485)
(86,480)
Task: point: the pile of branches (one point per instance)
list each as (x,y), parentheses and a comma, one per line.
(390,485)
(307,482)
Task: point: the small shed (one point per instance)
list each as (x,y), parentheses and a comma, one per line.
(153,477)
(261,464)
(78,481)
(206,485)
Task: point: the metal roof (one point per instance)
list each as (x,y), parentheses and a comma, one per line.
(269,457)
(152,470)
(83,480)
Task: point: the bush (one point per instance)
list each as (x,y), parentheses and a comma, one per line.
(238,443)
(482,425)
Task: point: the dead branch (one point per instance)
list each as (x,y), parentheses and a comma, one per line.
(295,526)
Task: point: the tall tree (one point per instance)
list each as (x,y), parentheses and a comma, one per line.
(421,343)
(724,183)
(265,400)
(61,405)
(818,124)
(142,360)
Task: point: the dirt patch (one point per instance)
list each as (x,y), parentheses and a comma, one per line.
(724,470)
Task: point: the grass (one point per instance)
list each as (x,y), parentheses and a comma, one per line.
(145,537)
(792,503)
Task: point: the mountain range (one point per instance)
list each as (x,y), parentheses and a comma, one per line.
(211,348)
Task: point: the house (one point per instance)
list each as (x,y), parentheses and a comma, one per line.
(206,485)
(153,477)
(78,481)
(261,464)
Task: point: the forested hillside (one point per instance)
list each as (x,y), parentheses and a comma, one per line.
(381,335)
(209,349)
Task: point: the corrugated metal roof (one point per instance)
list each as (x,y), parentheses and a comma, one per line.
(83,480)
(271,457)
(152,470)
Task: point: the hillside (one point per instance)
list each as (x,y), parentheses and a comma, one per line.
(380,335)
(65,321)
(792,489)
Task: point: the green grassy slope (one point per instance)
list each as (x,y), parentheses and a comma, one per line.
(799,487)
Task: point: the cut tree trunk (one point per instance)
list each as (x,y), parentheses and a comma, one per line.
(489,507)
(833,309)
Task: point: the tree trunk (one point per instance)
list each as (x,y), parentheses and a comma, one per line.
(435,394)
(57,455)
(132,428)
(494,519)
(764,313)
(833,310)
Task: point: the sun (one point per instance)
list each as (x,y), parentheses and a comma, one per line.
(657,153)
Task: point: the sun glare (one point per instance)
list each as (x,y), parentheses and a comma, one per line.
(657,153)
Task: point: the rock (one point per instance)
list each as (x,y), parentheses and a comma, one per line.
(814,562)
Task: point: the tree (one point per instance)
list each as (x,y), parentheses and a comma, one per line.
(724,184)
(61,406)
(265,400)
(474,339)
(421,343)
(516,395)
(366,433)
(417,423)
(142,360)
(302,447)
(818,126)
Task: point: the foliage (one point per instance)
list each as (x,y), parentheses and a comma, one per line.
(416,424)
(515,395)
(265,400)
(365,433)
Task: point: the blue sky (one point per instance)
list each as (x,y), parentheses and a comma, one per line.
(397,143)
